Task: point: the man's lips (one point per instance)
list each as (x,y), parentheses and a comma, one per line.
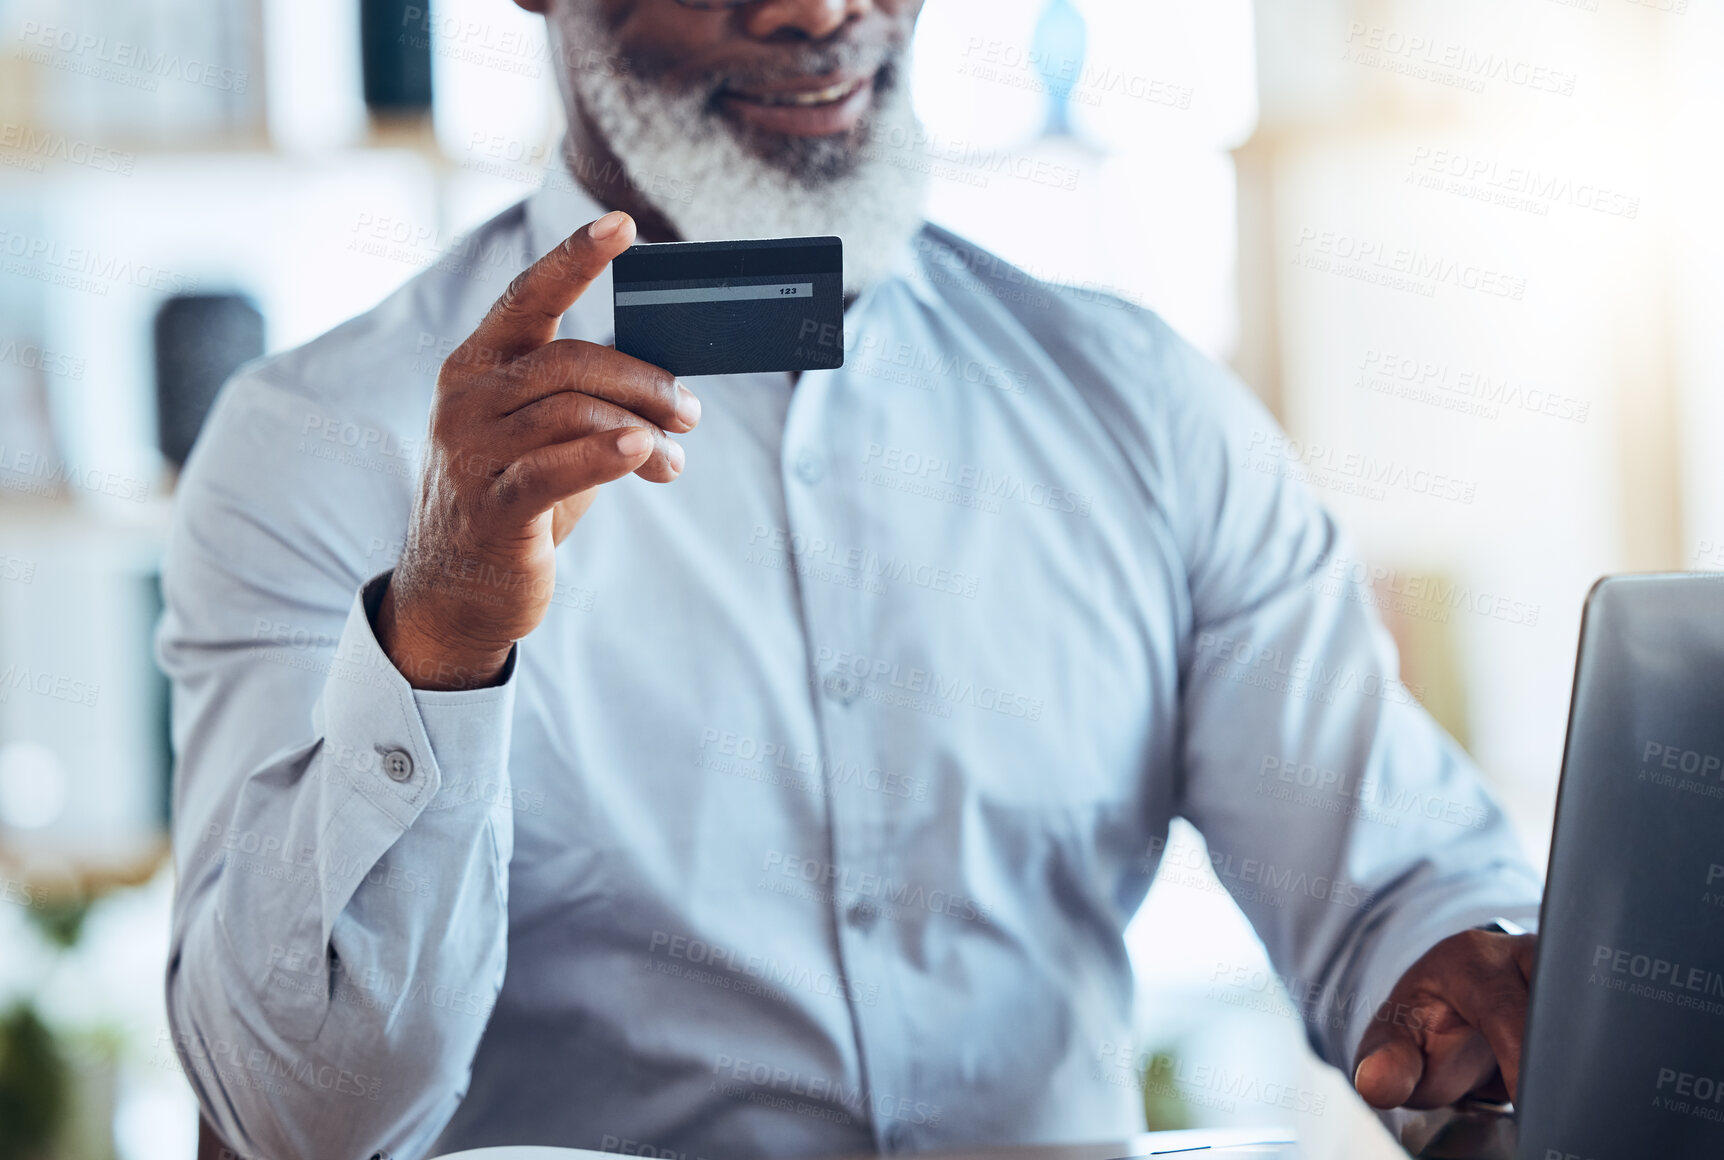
(815,107)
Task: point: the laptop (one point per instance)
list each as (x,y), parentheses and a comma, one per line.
(1624,1050)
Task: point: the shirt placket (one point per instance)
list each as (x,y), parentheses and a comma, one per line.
(857,816)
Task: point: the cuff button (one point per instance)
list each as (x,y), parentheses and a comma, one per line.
(398,764)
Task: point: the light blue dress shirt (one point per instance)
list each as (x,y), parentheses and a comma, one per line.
(811,818)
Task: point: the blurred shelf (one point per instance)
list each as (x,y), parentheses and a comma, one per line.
(128,527)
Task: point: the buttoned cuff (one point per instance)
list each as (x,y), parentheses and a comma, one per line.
(397,745)
(385,754)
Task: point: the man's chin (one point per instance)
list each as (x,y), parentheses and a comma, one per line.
(865,183)
(812,158)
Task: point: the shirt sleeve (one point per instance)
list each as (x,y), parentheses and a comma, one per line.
(341,840)
(1350,828)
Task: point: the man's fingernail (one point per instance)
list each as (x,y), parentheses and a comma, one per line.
(607,225)
(633,442)
(687,406)
(674,453)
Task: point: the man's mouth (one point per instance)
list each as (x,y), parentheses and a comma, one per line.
(824,96)
(813,107)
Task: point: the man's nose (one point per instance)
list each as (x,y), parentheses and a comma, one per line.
(814,19)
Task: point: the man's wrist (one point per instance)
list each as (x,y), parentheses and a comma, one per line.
(430,660)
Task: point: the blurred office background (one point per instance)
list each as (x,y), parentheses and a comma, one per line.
(1467,240)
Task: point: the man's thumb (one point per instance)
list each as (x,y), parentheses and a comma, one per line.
(1387,1076)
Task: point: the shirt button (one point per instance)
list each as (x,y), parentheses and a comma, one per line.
(862,916)
(809,469)
(842,687)
(398,764)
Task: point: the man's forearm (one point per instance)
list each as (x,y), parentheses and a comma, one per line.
(341,932)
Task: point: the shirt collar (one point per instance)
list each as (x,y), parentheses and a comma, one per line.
(909,268)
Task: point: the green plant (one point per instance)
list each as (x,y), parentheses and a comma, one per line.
(34,1085)
(1163,1110)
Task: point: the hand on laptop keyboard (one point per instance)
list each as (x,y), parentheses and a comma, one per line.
(1452,1026)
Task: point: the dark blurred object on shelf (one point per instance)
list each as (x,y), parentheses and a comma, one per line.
(201,339)
(395,49)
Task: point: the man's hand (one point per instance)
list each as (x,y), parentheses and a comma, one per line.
(524,427)
(1452,1026)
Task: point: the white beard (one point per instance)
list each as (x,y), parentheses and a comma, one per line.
(711,186)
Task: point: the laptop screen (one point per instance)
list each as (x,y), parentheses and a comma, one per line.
(1625,1041)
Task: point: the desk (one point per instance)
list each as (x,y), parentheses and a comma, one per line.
(1261,1144)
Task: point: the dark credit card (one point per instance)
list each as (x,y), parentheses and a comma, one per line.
(729,308)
